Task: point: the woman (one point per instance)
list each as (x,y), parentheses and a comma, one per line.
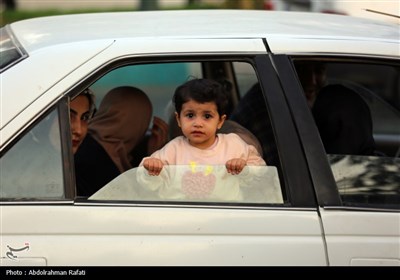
(119,125)
(81,109)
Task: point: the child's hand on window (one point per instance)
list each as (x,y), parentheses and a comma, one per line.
(153,165)
(235,166)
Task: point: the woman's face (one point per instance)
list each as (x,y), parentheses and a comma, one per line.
(79,113)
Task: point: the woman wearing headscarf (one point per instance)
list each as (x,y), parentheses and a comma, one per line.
(119,125)
(81,110)
(344,121)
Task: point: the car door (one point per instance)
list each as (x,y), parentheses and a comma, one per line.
(363,226)
(57,228)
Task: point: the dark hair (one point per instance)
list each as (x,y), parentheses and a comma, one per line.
(90,96)
(201,90)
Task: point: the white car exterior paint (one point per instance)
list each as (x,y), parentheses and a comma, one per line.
(66,36)
(339,46)
(190,24)
(349,233)
(166,235)
(23,84)
(14,117)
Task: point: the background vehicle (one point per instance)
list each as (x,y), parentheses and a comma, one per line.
(372,9)
(326,209)
(291,5)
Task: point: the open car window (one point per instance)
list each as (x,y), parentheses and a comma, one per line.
(159,81)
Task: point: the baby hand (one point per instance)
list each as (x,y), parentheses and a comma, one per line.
(235,166)
(153,165)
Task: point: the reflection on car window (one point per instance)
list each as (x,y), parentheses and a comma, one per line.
(378,85)
(364,179)
(367,180)
(32,168)
(204,183)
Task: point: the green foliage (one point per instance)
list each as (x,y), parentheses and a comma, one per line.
(244,4)
(8,16)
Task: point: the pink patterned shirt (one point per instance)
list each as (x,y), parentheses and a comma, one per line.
(228,146)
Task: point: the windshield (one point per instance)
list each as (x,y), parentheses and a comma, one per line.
(210,183)
(10,51)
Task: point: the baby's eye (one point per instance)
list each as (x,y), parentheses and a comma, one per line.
(189,115)
(208,116)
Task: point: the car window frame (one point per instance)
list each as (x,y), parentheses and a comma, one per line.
(317,162)
(281,118)
(323,179)
(66,147)
(62,111)
(291,153)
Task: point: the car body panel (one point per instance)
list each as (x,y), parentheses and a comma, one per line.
(24,83)
(319,170)
(353,47)
(14,108)
(38,33)
(354,237)
(163,235)
(37,36)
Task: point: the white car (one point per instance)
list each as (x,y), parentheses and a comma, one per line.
(309,207)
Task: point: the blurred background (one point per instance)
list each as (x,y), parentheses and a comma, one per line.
(14,10)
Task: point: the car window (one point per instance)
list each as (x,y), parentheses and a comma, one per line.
(159,82)
(378,85)
(244,73)
(365,165)
(367,181)
(10,51)
(33,167)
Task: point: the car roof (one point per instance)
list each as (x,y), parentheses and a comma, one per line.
(42,32)
(76,39)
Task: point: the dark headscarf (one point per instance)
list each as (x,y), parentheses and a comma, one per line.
(120,123)
(344,121)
